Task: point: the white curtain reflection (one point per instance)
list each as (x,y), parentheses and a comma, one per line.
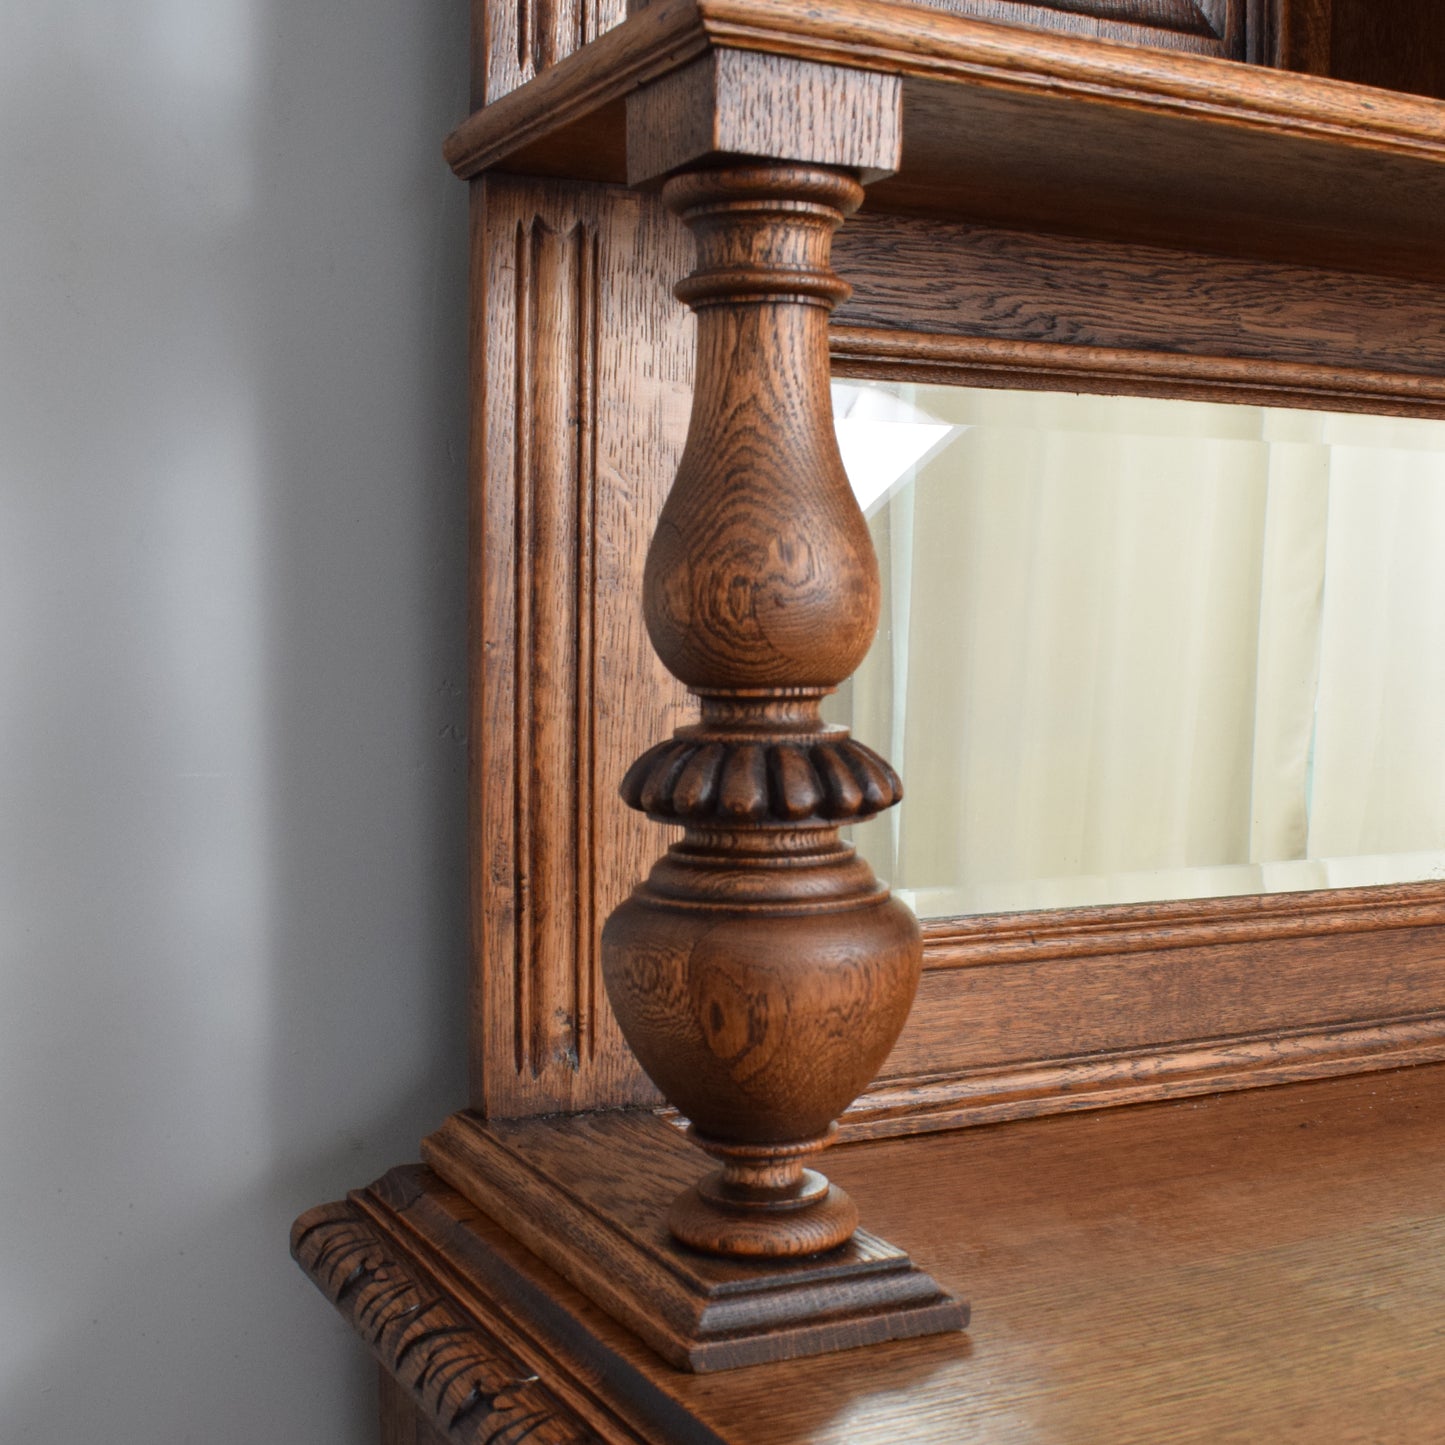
(1141,649)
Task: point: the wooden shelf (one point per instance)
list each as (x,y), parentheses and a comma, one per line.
(1260,1266)
(1013,127)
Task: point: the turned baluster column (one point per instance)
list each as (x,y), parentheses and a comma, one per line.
(761,974)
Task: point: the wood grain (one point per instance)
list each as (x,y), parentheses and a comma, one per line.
(916,42)
(922,278)
(589,1195)
(1298,34)
(1400,46)
(1174,316)
(1078,999)
(1128,1004)
(1203,27)
(1039,130)
(731,102)
(554,641)
(1117,930)
(574,442)
(1032,1089)
(884,355)
(1261,1266)
(920,43)
(1301,195)
(761,972)
(514,41)
(560,120)
(460,1378)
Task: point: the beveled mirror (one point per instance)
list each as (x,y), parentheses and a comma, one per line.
(1137,649)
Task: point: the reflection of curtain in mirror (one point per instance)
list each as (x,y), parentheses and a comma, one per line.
(1379,760)
(1101,653)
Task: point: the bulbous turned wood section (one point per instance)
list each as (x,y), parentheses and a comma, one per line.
(761,974)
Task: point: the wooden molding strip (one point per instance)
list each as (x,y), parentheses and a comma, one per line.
(916,41)
(554,622)
(1104,989)
(860,351)
(1055,1086)
(1189,923)
(462,1379)
(912,40)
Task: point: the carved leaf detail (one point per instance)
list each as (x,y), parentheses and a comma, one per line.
(462,1379)
(833,779)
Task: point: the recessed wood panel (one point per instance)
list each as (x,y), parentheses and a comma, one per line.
(1205,27)
(584,361)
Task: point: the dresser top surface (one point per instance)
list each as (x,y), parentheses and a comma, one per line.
(1263,1265)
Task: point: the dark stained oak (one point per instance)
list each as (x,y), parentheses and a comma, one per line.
(1069,366)
(1264,1267)
(575,696)
(736,102)
(1147,318)
(516,42)
(1297,34)
(458,1371)
(1398,46)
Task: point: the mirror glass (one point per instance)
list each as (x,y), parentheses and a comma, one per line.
(1136,649)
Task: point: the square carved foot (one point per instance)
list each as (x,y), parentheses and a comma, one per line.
(589,1196)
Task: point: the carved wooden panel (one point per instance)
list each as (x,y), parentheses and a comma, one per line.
(464,1384)
(1208,27)
(582,394)
(514,40)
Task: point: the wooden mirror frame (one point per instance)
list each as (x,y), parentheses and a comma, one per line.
(1064,1009)
(1017,1013)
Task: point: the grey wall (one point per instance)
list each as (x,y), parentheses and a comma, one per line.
(231,689)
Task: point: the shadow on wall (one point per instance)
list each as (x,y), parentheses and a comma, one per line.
(232,666)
